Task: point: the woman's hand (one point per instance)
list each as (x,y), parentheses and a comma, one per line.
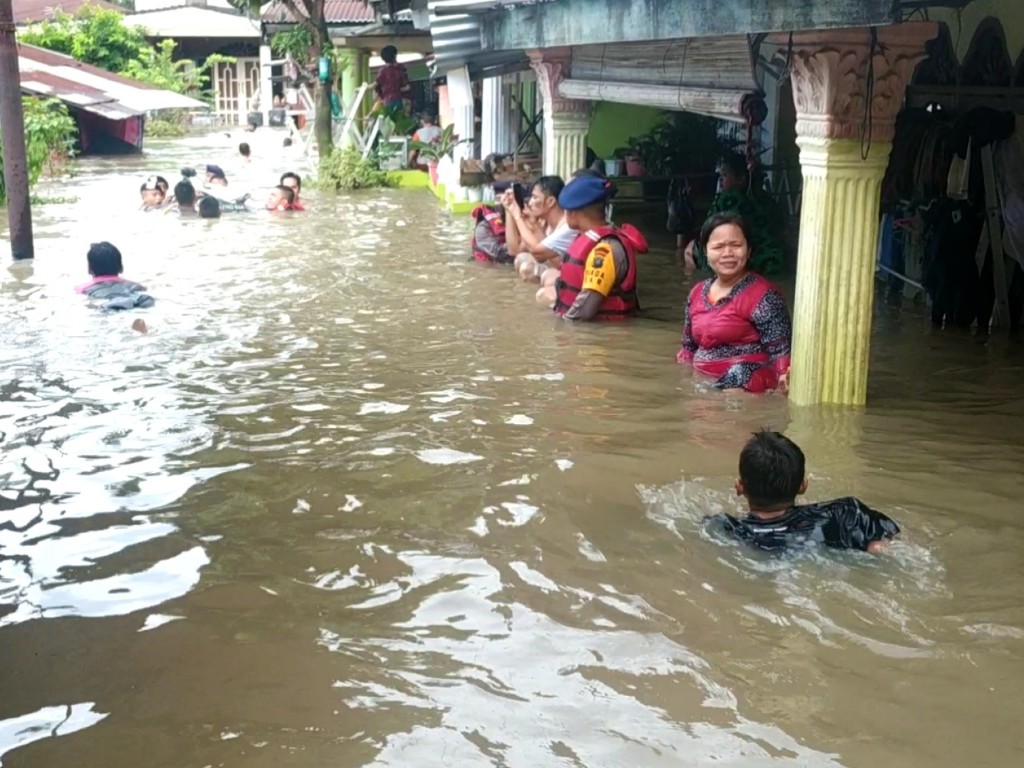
(784,382)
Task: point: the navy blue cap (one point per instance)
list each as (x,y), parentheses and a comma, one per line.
(584,191)
(216,171)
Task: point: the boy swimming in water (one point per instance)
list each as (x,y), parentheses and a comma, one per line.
(107,285)
(771,477)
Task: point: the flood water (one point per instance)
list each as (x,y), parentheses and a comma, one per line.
(356,501)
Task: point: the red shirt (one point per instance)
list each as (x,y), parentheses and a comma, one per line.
(391,83)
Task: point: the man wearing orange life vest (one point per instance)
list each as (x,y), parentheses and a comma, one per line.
(598,277)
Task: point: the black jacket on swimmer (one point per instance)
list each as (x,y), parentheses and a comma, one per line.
(772,475)
(107,285)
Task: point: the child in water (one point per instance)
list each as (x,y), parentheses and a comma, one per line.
(771,477)
(107,285)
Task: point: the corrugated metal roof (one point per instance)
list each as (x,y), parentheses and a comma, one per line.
(335,12)
(28,11)
(455,27)
(46,73)
(191,21)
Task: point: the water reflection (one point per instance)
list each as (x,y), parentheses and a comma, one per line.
(475,693)
(47,723)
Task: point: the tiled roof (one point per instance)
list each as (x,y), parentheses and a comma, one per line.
(335,12)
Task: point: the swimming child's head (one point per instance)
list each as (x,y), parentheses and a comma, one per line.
(281,199)
(772,472)
(104,260)
(185,194)
(209,207)
(151,193)
(389,54)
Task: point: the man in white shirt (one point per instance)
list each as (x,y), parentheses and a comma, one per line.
(544,247)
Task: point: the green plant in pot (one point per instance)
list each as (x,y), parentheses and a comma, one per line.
(434,151)
(401,123)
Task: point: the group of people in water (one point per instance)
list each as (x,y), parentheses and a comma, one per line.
(210,201)
(737,328)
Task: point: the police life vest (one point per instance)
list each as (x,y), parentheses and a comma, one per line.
(622,301)
(493,218)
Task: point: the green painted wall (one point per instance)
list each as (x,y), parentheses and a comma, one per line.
(612,125)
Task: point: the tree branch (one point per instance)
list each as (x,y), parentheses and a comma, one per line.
(304,17)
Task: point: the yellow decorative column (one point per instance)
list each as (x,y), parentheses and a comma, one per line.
(566,121)
(848,87)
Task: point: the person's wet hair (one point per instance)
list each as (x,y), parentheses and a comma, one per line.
(209,207)
(243,149)
(287,142)
(389,54)
(185,193)
(772,470)
(288,193)
(551,186)
(162,183)
(104,260)
(291,175)
(721,219)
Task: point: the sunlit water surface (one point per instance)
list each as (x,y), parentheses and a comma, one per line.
(356,501)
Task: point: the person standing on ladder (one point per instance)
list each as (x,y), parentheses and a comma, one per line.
(392,86)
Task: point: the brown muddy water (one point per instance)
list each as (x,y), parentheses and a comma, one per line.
(356,501)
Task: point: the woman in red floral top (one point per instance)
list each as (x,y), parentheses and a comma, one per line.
(737,327)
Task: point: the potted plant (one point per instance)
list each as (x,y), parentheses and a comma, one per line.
(612,167)
(434,151)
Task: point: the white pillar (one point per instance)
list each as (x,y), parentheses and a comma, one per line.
(843,167)
(495,120)
(460,98)
(266,86)
(566,121)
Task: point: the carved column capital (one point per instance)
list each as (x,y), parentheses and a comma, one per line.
(836,73)
(552,66)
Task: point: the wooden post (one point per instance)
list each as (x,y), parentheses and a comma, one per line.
(12,123)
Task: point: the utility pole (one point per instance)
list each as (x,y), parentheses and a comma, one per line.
(12,126)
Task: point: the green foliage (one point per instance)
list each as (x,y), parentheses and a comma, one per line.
(443,147)
(682,142)
(403,123)
(346,169)
(167,124)
(157,67)
(295,42)
(93,35)
(49,139)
